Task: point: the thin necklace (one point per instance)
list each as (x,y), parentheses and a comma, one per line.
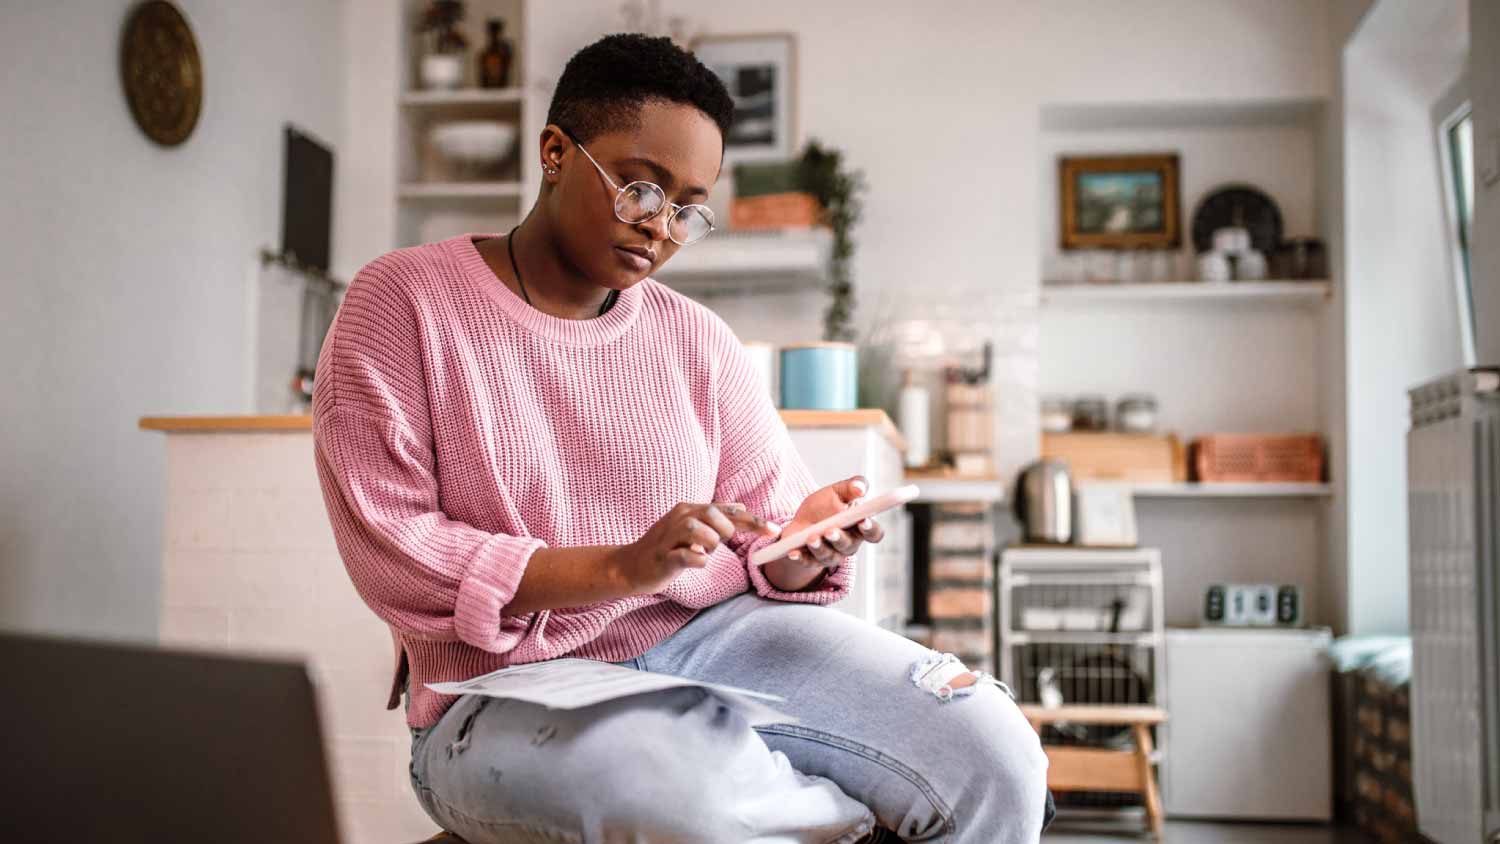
(510,249)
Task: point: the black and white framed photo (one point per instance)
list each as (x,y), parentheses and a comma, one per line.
(760,72)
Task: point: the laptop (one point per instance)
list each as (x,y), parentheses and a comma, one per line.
(119,743)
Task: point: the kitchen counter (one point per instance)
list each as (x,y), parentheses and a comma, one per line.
(862,418)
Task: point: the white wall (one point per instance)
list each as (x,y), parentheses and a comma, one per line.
(1484,93)
(125,281)
(1344,19)
(1401,317)
(365,222)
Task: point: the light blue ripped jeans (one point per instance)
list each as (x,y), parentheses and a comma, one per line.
(877,744)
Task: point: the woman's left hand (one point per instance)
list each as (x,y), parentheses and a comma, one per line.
(831,548)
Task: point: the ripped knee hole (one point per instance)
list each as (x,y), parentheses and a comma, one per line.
(946,677)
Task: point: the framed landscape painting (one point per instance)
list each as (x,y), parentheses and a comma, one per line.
(1119,202)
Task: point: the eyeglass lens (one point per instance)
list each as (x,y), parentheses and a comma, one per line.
(640,201)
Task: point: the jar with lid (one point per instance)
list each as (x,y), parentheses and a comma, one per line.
(1136,414)
(1091,413)
(1057,415)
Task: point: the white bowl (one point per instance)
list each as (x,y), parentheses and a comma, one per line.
(474,143)
(442,70)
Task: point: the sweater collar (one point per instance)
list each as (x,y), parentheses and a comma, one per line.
(593,331)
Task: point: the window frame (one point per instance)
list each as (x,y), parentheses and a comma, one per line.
(1449,111)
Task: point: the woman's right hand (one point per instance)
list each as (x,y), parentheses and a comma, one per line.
(683,539)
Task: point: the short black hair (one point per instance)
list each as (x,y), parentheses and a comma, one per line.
(605,84)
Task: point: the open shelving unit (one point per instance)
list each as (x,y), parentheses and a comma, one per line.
(434,199)
(1308,293)
(1237,356)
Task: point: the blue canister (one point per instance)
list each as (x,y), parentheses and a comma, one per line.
(819,376)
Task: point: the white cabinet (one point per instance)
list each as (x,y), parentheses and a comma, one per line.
(1249,725)
(836,445)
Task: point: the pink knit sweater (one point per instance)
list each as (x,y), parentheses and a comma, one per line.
(458,429)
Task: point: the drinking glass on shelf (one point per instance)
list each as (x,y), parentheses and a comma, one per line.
(1099,266)
(1063,268)
(1140,264)
(1161,267)
(1125,266)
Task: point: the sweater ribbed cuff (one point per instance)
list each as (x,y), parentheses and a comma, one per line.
(831,589)
(489,585)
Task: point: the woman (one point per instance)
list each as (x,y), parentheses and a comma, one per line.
(519,439)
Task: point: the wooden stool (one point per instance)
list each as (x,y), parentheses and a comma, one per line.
(1098,769)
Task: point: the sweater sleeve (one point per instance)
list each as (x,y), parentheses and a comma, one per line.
(425,574)
(760,468)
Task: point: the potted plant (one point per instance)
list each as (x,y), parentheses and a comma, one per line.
(443,65)
(823,175)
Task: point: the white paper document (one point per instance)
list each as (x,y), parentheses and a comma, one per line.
(575,683)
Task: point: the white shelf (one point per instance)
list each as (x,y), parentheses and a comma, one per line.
(1228,490)
(462,97)
(941,490)
(1223,292)
(1184,114)
(459,190)
(1143,638)
(758,261)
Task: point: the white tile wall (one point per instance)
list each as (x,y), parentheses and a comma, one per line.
(251,567)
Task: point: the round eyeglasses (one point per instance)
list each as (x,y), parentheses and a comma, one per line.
(639,201)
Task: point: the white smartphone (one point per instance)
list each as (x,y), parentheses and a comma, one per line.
(868,506)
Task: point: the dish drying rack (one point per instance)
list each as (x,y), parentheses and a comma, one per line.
(1083,626)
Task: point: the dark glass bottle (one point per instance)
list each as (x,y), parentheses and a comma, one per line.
(494,62)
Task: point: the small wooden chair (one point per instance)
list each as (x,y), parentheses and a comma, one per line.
(1098,769)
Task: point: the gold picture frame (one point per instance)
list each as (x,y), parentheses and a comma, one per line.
(1119,202)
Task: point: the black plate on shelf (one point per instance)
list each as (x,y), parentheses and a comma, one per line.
(1238,205)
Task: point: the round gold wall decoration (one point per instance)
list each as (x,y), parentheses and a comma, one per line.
(161,72)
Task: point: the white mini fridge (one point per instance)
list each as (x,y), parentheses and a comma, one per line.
(1249,734)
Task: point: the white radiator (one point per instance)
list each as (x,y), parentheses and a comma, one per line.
(1453,477)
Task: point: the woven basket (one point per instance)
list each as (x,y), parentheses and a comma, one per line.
(1278,458)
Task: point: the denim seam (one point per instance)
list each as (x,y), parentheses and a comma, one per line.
(848,836)
(873,755)
(550,832)
(856,834)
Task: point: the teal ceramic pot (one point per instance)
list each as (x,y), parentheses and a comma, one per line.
(819,376)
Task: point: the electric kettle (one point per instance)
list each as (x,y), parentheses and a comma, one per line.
(1044,502)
